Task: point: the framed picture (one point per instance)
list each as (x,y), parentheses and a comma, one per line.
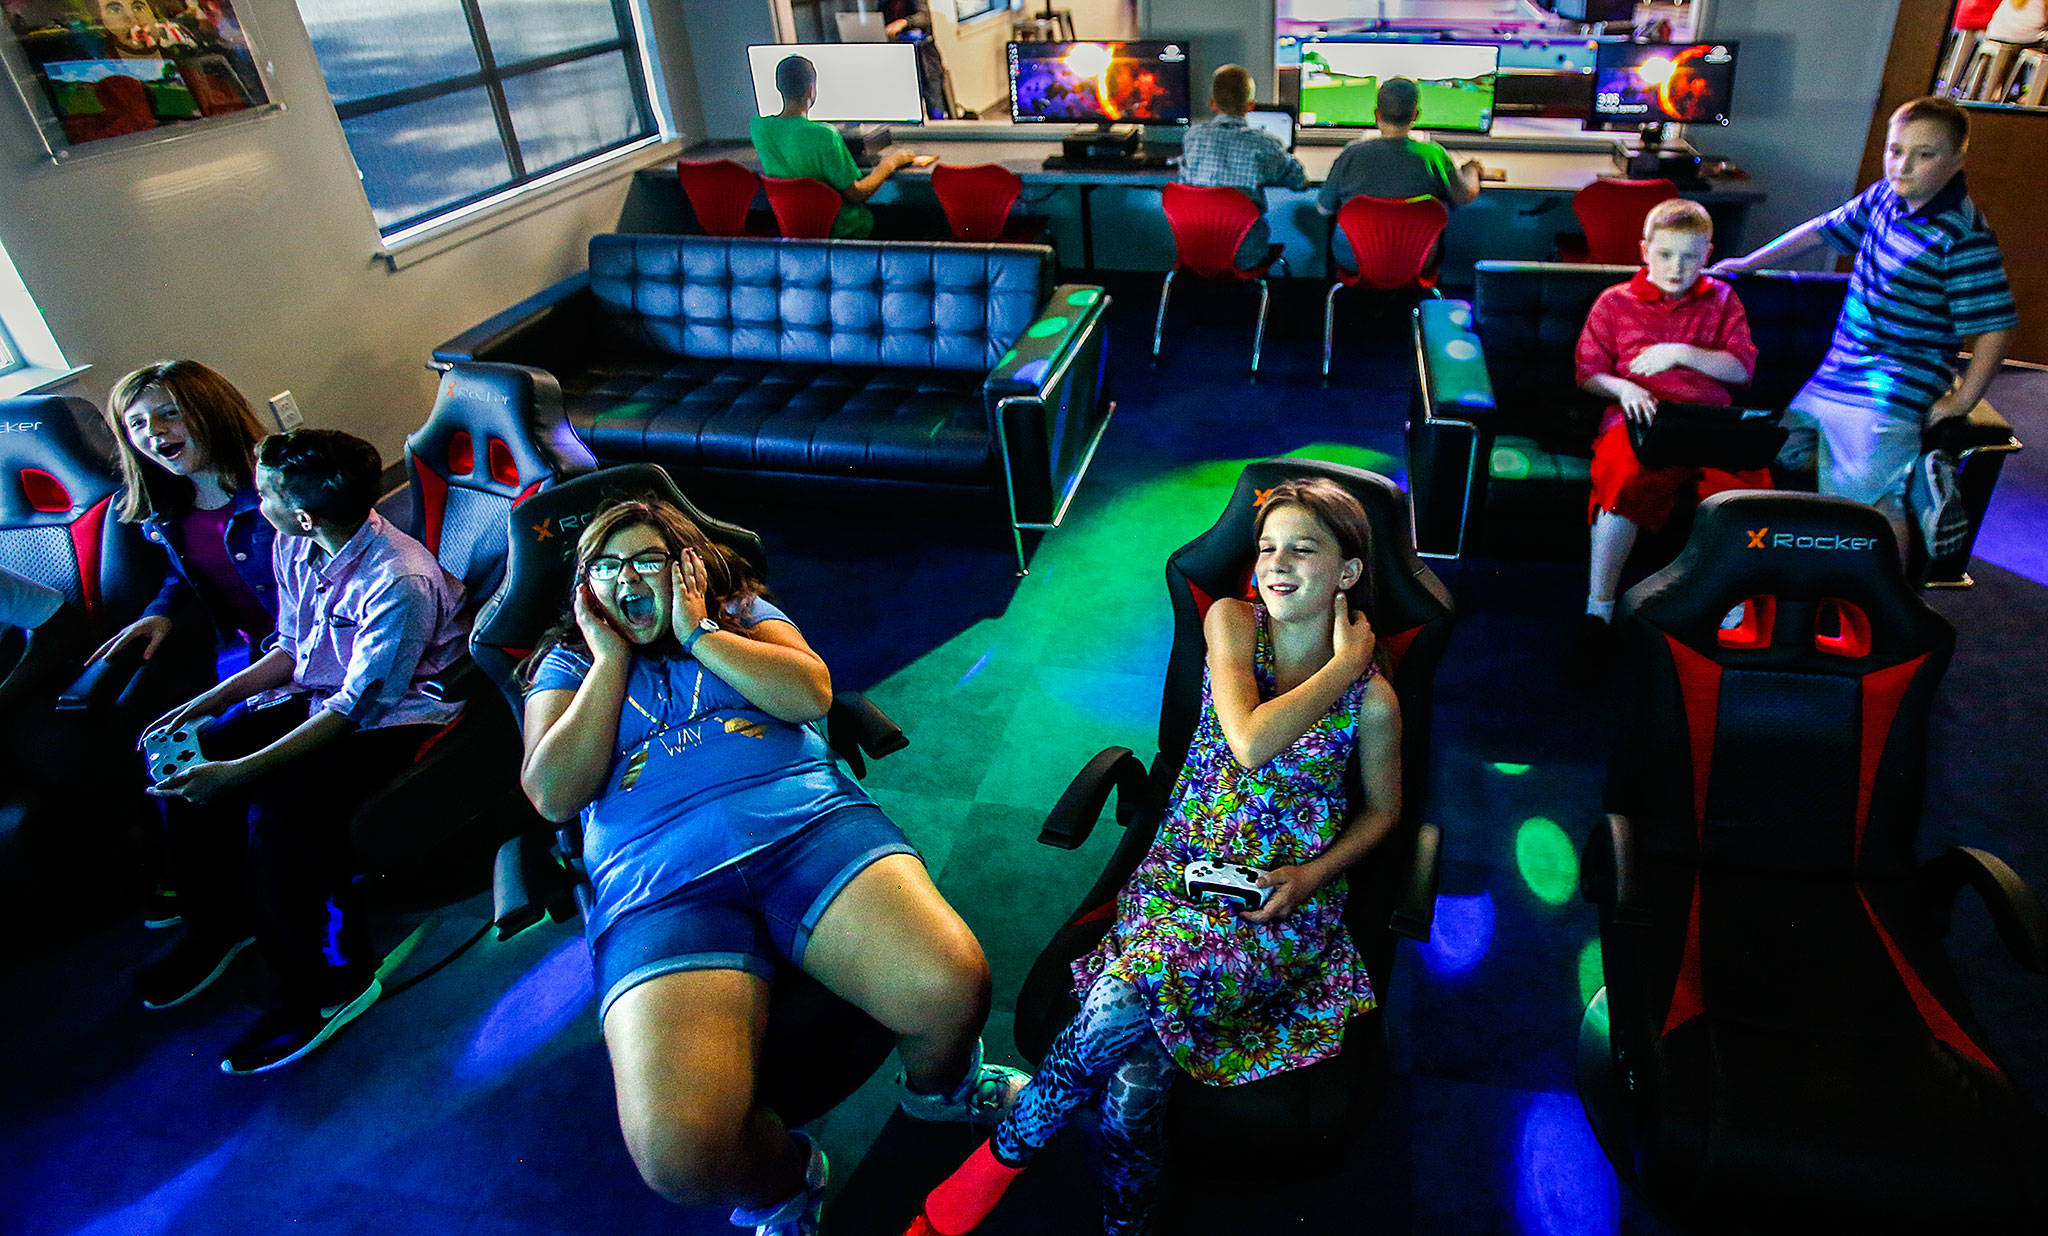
(94,70)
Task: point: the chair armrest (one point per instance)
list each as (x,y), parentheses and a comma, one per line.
(2017,913)
(1981,427)
(46,652)
(460,681)
(1452,361)
(104,682)
(860,731)
(1073,817)
(529,329)
(1610,875)
(1415,901)
(530,880)
(1036,363)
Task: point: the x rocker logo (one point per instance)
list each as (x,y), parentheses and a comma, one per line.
(1764,538)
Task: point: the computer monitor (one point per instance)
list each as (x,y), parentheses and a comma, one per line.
(1590,11)
(1275,119)
(857,82)
(1655,83)
(1103,83)
(1340,81)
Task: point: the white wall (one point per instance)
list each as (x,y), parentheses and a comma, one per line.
(1805,85)
(1220,32)
(250,247)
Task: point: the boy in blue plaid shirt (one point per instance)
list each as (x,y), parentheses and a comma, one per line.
(1227,151)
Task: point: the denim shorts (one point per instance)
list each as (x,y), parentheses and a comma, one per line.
(747,915)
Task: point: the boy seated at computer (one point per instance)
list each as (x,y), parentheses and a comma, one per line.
(1228,152)
(1392,164)
(1670,333)
(792,145)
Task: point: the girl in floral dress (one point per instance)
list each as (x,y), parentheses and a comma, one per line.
(1225,995)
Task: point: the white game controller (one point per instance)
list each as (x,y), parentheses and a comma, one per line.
(166,751)
(1227,881)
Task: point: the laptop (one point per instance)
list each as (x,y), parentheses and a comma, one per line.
(1703,435)
(1275,119)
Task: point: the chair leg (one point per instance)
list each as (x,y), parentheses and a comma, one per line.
(1259,334)
(1159,322)
(1329,328)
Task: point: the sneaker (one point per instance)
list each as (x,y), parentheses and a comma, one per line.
(1934,498)
(162,909)
(189,968)
(987,1095)
(1585,659)
(282,1036)
(800,1215)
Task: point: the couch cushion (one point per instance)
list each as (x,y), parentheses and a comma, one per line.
(842,420)
(912,306)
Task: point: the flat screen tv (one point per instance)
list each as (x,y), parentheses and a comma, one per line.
(1340,80)
(858,83)
(1655,83)
(1100,83)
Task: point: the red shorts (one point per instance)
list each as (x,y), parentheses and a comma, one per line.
(1646,496)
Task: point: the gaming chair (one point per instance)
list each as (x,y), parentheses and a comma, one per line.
(819,1048)
(1296,1121)
(1781,1044)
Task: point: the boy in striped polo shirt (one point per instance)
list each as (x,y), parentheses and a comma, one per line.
(1927,280)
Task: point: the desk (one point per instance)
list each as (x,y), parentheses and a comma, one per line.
(1513,219)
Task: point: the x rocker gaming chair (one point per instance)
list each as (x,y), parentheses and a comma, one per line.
(819,1048)
(720,192)
(1394,241)
(1209,224)
(495,437)
(1297,1121)
(1781,1044)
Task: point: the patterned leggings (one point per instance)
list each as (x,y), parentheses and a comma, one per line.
(1109,1048)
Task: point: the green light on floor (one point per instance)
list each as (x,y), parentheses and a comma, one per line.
(1047,326)
(1508,463)
(1506,769)
(1349,455)
(1543,854)
(1591,976)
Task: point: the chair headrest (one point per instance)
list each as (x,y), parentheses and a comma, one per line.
(500,428)
(542,556)
(1794,557)
(49,470)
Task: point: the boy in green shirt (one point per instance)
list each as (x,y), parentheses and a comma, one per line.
(791,144)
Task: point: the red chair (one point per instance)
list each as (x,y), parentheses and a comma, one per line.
(1393,240)
(804,208)
(1611,212)
(720,193)
(977,199)
(1209,226)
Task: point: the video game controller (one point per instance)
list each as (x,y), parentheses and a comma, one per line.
(1229,881)
(166,751)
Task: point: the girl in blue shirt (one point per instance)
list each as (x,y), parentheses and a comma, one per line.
(672,716)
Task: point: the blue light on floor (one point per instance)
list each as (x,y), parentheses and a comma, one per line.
(1563,1184)
(1460,934)
(163,1208)
(980,664)
(545,999)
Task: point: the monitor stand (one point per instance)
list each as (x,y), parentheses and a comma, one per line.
(1102,143)
(1648,159)
(865,142)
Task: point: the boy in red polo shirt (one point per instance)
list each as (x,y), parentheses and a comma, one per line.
(1668,333)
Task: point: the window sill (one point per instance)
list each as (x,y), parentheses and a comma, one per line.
(35,380)
(482,218)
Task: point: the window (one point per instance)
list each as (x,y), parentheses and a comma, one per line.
(29,357)
(10,360)
(446,102)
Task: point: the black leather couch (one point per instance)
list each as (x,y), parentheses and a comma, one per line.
(1500,436)
(869,362)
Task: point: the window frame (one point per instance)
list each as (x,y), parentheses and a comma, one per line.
(40,363)
(630,44)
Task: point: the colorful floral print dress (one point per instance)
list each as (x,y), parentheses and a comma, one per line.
(1235,1001)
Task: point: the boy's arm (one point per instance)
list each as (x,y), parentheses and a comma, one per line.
(397,619)
(864,188)
(1987,353)
(1840,229)
(1291,174)
(1596,360)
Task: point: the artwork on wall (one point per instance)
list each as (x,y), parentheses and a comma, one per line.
(91,70)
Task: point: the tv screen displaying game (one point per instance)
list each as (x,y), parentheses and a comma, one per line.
(1340,81)
(1101,83)
(1651,83)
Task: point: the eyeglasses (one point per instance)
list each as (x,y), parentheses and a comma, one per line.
(648,565)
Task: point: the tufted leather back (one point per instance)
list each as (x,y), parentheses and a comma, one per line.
(57,523)
(497,434)
(1529,315)
(842,302)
